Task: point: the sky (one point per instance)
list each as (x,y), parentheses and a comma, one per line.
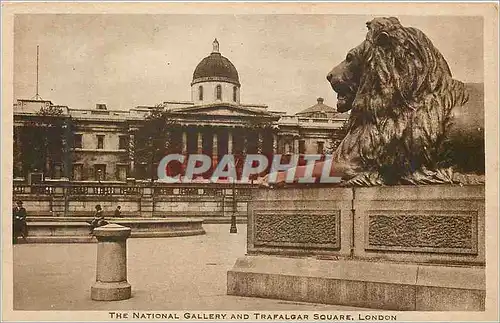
(126,60)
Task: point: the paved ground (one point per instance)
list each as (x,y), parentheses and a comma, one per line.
(185,273)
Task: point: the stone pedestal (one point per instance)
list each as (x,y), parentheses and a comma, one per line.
(418,248)
(111,277)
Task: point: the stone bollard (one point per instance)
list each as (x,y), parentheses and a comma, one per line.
(111,277)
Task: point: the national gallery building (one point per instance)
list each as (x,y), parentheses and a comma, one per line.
(54,142)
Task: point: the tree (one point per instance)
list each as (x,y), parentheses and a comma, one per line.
(45,140)
(156,138)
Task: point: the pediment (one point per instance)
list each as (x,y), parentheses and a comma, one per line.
(224,110)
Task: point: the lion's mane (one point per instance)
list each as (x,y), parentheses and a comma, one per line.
(402,109)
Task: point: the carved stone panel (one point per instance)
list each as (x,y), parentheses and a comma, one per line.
(315,229)
(421,231)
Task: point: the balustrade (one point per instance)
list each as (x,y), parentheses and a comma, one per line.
(78,189)
(102,190)
(130,190)
(42,189)
(164,191)
(212,191)
(19,189)
(188,191)
(243,192)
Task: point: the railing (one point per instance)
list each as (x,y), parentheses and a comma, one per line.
(40,189)
(132,189)
(18,189)
(213,191)
(164,191)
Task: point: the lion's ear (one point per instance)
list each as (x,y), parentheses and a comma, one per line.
(383,39)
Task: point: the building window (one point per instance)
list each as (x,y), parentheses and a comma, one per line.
(123,142)
(77,172)
(100,172)
(121,171)
(321,146)
(100,141)
(302,146)
(319,115)
(200,93)
(218,92)
(57,170)
(235,93)
(78,141)
(141,171)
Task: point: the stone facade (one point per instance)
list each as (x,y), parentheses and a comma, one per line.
(99,144)
(103,147)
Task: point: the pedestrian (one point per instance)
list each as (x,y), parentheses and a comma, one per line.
(118,212)
(98,220)
(19,225)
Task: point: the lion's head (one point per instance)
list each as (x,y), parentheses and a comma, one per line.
(400,91)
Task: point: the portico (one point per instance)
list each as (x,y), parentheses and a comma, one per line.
(218,130)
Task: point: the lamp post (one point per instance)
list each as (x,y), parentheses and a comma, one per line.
(153,154)
(233,228)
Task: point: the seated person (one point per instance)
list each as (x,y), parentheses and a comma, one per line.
(98,220)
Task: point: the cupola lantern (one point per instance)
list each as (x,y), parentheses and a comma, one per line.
(215,45)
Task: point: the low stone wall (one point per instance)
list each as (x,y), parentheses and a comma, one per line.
(58,232)
(74,230)
(396,241)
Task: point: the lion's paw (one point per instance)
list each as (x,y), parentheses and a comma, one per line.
(425,176)
(365,179)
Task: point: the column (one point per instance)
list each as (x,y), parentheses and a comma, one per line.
(168,142)
(245,144)
(131,151)
(184,142)
(199,144)
(260,142)
(215,152)
(275,144)
(295,145)
(229,142)
(66,143)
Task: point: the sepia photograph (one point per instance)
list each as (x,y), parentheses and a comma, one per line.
(288,162)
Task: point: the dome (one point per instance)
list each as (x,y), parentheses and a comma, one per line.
(321,110)
(216,68)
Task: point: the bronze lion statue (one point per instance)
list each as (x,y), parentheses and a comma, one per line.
(402,97)
(403,101)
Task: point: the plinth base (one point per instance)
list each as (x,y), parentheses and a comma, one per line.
(115,291)
(378,285)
